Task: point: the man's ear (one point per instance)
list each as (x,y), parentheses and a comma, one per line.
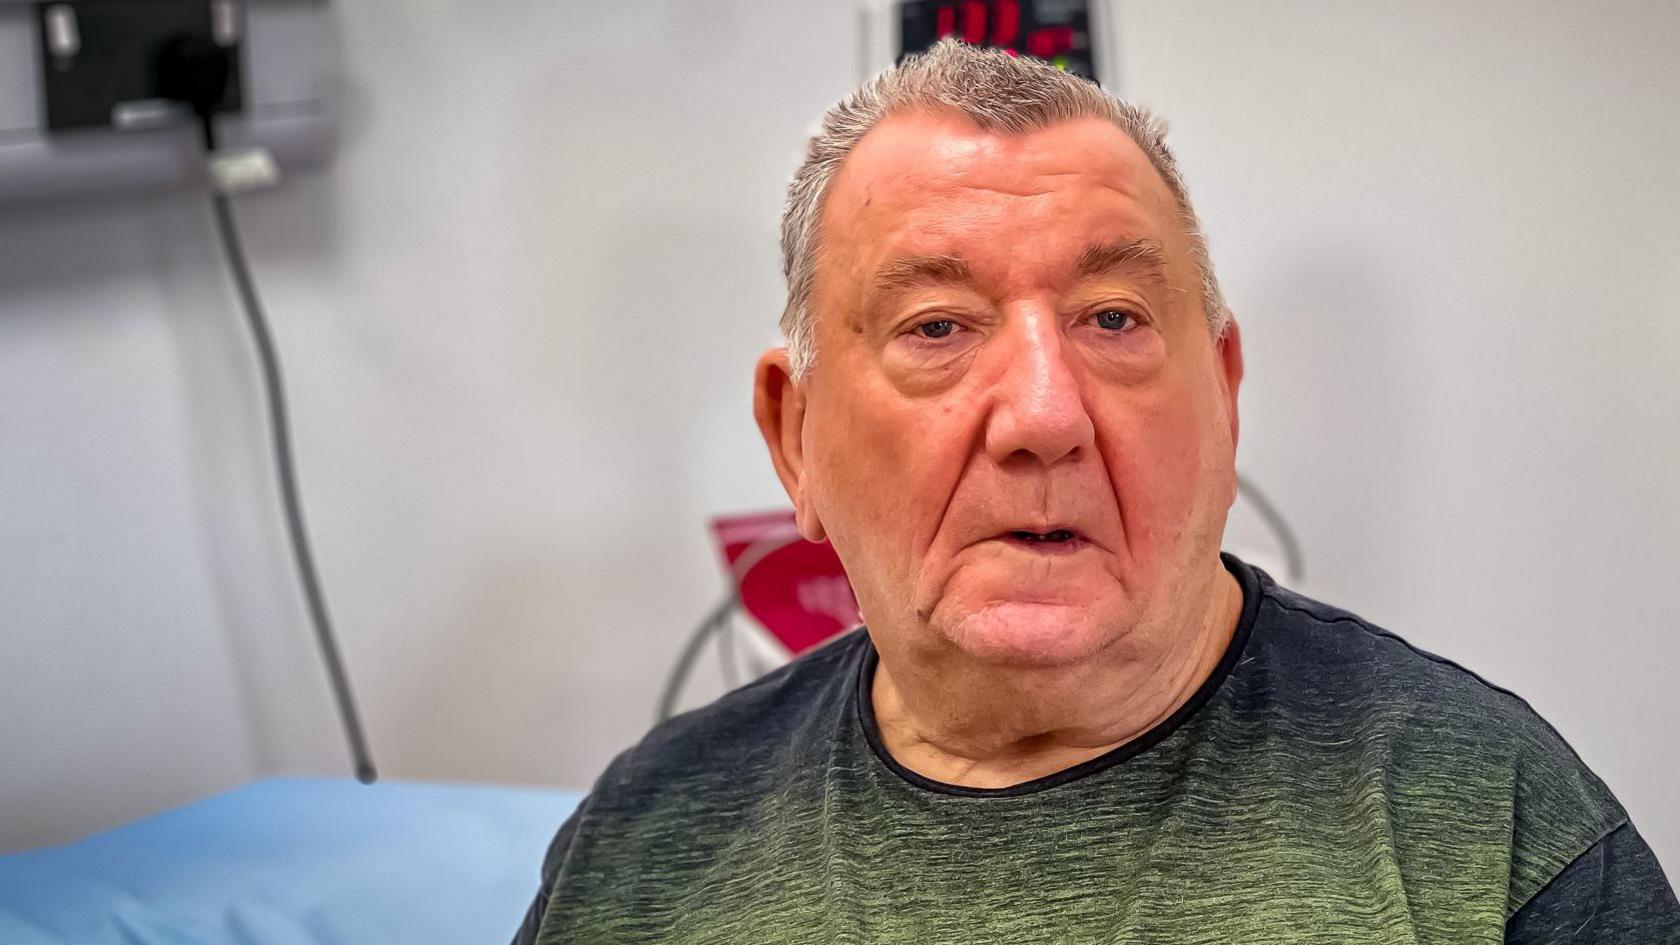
(1229,346)
(779,408)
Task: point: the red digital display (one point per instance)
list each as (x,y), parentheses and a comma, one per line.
(1048,42)
(1006,23)
(1057,32)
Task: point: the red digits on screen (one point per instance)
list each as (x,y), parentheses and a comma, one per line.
(1008,24)
(1050,41)
(974,22)
(1046,42)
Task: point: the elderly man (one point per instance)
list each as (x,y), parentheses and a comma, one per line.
(1009,399)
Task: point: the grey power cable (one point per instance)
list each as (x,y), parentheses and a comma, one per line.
(280,430)
(714,623)
(728,659)
(1294,562)
(196,71)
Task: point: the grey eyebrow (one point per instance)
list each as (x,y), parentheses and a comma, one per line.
(1142,256)
(921,270)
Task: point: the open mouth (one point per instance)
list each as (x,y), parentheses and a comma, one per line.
(1056,535)
(1053,541)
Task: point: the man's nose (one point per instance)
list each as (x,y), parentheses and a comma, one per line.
(1038,409)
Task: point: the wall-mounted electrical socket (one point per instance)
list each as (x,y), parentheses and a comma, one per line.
(80,111)
(99,58)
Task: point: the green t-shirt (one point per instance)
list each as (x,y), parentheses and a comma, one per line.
(1328,783)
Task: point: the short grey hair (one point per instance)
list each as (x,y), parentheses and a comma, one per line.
(996,91)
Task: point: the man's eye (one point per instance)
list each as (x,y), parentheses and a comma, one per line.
(938,328)
(1113,319)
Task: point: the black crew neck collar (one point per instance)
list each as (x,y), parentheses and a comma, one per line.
(1247,578)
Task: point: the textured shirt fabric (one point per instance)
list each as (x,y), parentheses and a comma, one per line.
(1328,783)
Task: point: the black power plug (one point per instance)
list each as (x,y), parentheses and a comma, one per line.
(195,71)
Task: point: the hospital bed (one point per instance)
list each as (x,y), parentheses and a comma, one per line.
(294,862)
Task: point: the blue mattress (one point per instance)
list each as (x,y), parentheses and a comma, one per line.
(294,862)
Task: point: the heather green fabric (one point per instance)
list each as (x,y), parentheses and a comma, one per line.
(1329,783)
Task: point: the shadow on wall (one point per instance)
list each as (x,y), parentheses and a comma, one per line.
(1338,424)
(158,249)
(257,596)
(594,589)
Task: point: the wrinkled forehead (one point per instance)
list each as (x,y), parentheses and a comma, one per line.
(1017,208)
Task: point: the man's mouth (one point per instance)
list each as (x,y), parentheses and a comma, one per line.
(1059,534)
(1055,539)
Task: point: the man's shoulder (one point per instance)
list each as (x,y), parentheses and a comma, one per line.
(1330,661)
(1454,746)
(748,733)
(1343,657)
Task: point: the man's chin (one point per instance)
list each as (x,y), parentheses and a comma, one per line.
(1027,633)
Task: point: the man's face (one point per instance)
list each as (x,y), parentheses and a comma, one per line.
(1019,433)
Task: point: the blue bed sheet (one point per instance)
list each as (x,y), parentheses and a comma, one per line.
(294,861)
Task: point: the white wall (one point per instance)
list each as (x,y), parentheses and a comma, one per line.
(518,320)
(1451,233)
(519,317)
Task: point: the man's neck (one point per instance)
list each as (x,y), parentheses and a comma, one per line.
(994,727)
